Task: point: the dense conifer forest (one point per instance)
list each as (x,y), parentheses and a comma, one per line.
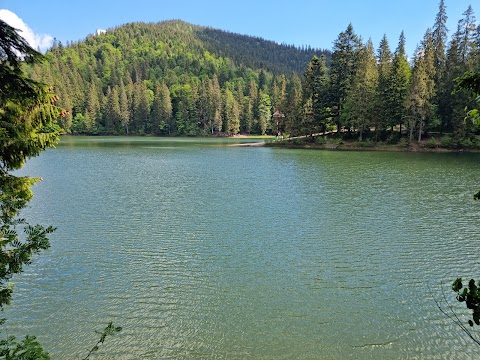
(174,78)
(171,78)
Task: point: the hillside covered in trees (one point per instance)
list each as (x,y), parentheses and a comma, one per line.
(171,78)
(174,78)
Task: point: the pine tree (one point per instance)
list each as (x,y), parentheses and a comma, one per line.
(264,112)
(141,108)
(467,33)
(162,109)
(217,106)
(252,125)
(417,101)
(399,81)
(232,114)
(92,113)
(112,114)
(384,61)
(428,52)
(294,108)
(361,97)
(342,69)
(439,34)
(316,91)
(124,113)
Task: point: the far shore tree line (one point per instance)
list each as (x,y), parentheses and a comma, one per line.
(176,87)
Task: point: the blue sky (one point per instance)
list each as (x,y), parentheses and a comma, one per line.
(315,23)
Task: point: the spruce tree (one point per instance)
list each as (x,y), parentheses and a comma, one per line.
(384,63)
(399,81)
(361,97)
(342,69)
(316,92)
(264,112)
(294,110)
(124,109)
(162,109)
(417,100)
(439,34)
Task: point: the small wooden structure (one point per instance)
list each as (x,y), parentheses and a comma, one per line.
(278,118)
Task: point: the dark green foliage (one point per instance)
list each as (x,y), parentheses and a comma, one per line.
(27,126)
(470,296)
(342,70)
(27,349)
(110,330)
(315,93)
(398,84)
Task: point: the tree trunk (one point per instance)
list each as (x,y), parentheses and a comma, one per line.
(420,128)
(411,132)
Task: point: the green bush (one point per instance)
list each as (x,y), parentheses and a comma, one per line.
(448,142)
(403,142)
(320,140)
(431,143)
(298,142)
(393,139)
(466,143)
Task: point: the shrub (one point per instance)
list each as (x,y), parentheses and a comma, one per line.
(320,140)
(448,142)
(466,143)
(403,142)
(393,139)
(431,143)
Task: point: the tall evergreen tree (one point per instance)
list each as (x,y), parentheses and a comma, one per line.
(316,92)
(440,33)
(92,113)
(253,105)
(417,101)
(112,114)
(124,113)
(217,106)
(342,70)
(232,113)
(162,109)
(398,85)
(141,108)
(264,112)
(428,52)
(361,97)
(294,109)
(467,36)
(384,63)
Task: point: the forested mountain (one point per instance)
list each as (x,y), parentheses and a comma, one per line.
(171,78)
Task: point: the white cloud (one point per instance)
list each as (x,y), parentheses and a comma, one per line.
(100,31)
(34,40)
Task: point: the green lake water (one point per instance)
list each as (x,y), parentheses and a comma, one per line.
(207,251)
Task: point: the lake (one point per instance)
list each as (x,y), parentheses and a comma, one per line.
(207,251)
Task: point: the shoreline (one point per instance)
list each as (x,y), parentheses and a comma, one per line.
(355,147)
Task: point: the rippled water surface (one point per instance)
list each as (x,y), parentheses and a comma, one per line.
(201,250)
